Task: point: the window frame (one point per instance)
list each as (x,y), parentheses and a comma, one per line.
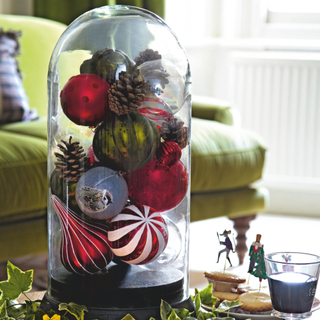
(289,25)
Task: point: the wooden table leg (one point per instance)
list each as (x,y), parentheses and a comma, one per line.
(242,225)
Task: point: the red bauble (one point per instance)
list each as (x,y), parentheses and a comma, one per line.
(91,157)
(138,234)
(159,187)
(84,247)
(84,99)
(169,153)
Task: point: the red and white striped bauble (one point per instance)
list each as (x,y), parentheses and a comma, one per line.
(138,234)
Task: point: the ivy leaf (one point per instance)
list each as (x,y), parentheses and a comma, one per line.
(203,315)
(3,308)
(183,313)
(32,306)
(197,304)
(18,282)
(206,296)
(173,316)
(7,318)
(227,305)
(128,317)
(32,311)
(75,309)
(30,317)
(165,310)
(39,314)
(196,291)
(15,310)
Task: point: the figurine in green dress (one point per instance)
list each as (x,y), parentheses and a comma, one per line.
(257,265)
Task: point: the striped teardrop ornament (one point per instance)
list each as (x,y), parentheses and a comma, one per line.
(84,247)
(138,234)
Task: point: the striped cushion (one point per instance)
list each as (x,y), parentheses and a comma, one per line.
(14,102)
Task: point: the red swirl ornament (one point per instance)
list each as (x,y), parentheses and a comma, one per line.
(138,235)
(84,247)
(169,153)
(156,110)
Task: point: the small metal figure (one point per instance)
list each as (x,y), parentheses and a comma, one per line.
(228,245)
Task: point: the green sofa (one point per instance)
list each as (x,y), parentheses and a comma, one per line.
(226,159)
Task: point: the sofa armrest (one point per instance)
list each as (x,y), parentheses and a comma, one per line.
(215,109)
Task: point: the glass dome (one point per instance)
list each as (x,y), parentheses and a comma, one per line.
(119,163)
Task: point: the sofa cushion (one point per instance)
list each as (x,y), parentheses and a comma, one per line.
(38,40)
(231,203)
(224,157)
(23,237)
(14,102)
(36,128)
(211,108)
(23,176)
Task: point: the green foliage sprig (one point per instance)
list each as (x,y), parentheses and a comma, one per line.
(19,283)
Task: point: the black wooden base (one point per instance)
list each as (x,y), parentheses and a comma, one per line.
(118,313)
(123,286)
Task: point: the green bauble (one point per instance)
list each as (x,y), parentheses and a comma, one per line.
(64,190)
(107,64)
(126,142)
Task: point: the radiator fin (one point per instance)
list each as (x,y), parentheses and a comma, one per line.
(278,95)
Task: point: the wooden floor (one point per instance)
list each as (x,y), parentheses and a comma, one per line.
(36,262)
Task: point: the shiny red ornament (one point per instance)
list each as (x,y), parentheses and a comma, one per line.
(138,235)
(169,153)
(84,99)
(84,247)
(159,187)
(91,157)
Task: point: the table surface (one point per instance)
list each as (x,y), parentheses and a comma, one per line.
(33,295)
(38,295)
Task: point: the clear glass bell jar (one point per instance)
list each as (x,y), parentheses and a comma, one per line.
(119,163)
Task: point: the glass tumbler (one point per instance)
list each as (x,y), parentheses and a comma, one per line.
(293,278)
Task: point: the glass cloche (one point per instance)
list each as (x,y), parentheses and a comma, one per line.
(119,165)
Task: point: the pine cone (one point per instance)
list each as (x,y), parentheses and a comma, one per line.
(125,93)
(174,130)
(147,55)
(72,163)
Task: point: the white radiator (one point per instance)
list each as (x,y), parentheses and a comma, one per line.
(278,94)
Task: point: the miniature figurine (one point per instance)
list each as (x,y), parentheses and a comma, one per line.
(257,265)
(228,245)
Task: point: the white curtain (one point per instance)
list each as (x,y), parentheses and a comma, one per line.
(216,18)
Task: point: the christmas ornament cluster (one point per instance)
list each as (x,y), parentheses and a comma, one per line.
(110,198)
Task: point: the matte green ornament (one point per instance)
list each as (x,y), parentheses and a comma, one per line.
(126,142)
(107,64)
